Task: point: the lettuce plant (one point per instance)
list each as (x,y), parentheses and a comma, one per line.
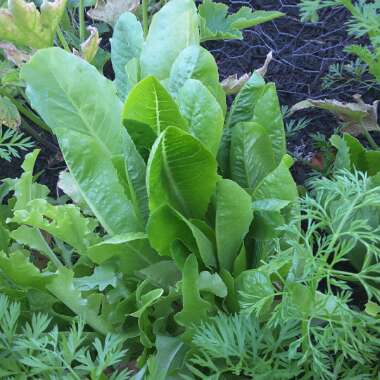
(178,195)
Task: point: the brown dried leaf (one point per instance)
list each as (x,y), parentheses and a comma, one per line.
(110,10)
(232,84)
(355,116)
(89,48)
(264,68)
(14,55)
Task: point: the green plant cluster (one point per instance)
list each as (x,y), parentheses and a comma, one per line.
(182,248)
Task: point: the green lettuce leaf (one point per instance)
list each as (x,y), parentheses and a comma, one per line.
(148,110)
(22,272)
(267,113)
(181,173)
(195,62)
(273,198)
(251,155)
(25,188)
(234,215)
(9,114)
(352,155)
(131,252)
(64,222)
(243,106)
(126,44)
(195,309)
(82,109)
(203,113)
(172,29)
(166,226)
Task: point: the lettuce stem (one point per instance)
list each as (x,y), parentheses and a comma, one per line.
(145,17)
(369,138)
(81,21)
(62,39)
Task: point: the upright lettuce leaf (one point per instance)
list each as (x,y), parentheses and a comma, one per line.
(234,215)
(148,110)
(195,308)
(195,62)
(244,103)
(135,172)
(25,188)
(351,155)
(251,154)
(268,114)
(173,28)
(181,172)
(27,191)
(273,199)
(203,113)
(126,44)
(82,109)
(258,102)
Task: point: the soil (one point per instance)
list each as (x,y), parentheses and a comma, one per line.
(302,54)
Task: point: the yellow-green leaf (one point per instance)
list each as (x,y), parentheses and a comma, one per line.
(24,25)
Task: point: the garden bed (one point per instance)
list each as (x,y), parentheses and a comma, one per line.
(213,208)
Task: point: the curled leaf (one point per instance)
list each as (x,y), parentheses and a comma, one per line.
(22,24)
(264,68)
(356,116)
(89,48)
(233,84)
(109,11)
(14,55)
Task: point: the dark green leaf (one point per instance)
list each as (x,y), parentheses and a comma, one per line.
(203,113)
(181,173)
(195,308)
(148,111)
(166,226)
(251,155)
(234,215)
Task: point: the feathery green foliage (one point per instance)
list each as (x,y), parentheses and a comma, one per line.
(364,21)
(34,350)
(11,142)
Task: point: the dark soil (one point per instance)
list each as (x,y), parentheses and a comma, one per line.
(302,54)
(48,166)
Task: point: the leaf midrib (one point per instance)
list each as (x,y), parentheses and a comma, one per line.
(92,133)
(171,180)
